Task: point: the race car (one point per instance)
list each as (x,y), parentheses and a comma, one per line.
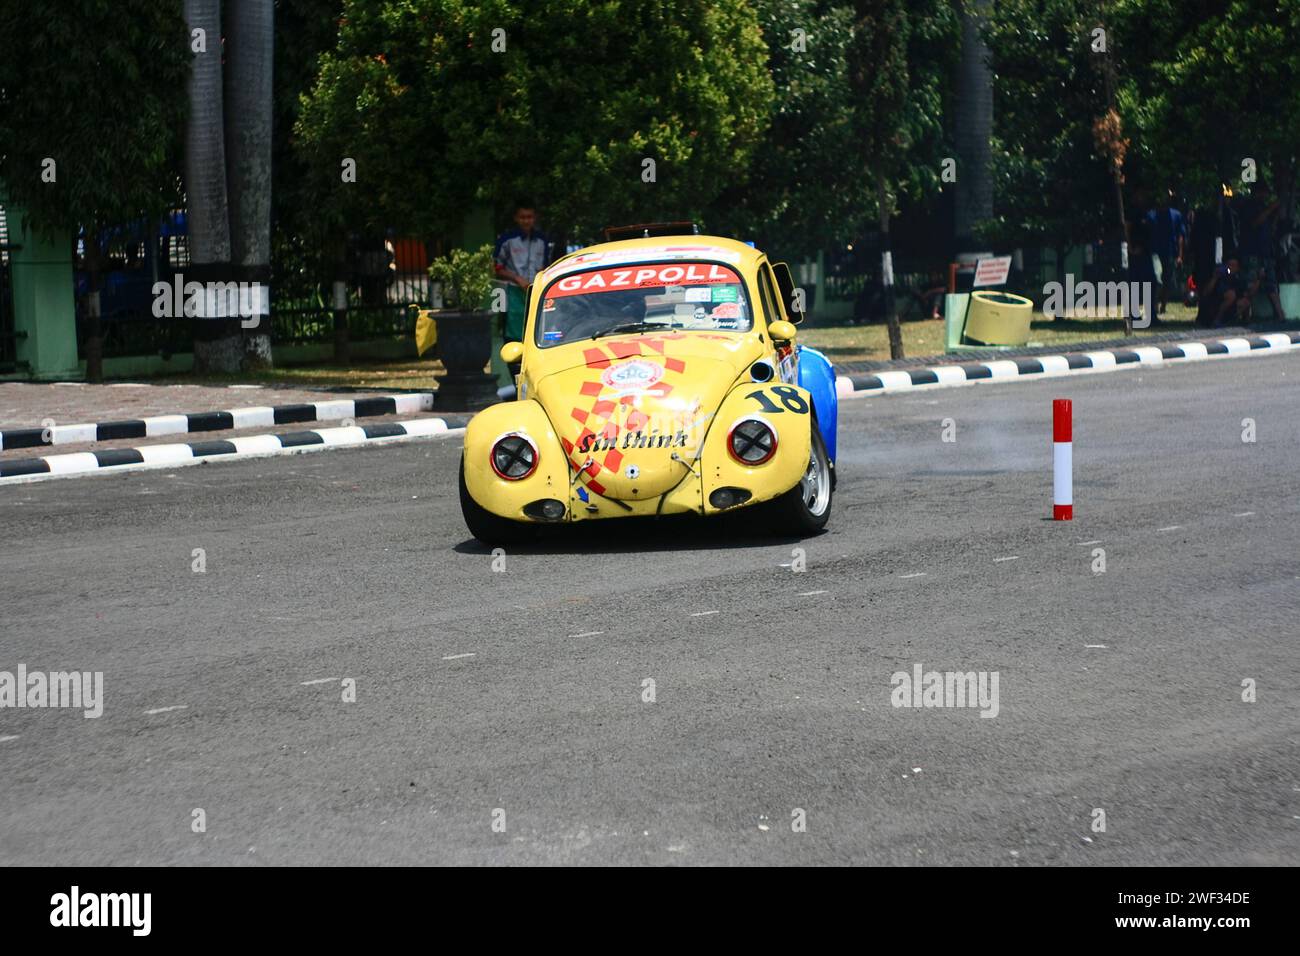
(657,376)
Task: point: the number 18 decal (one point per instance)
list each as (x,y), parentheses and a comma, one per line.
(790,398)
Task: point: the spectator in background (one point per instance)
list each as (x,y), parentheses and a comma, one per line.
(520,254)
(1142,269)
(1258,213)
(1168,234)
(1224,295)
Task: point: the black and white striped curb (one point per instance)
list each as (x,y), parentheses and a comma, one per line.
(1039,366)
(259,416)
(252,446)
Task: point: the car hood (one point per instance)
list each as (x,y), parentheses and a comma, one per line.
(624,406)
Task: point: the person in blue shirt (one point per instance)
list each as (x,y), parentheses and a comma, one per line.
(1168,233)
(520,254)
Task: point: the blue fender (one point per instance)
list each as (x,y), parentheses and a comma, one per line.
(818,377)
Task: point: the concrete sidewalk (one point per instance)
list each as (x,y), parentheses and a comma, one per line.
(29,404)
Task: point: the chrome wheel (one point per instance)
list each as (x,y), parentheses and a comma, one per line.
(816,481)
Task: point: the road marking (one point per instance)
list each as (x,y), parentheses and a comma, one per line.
(1244,514)
(1172,527)
(1101,646)
(1014,557)
(587,634)
(456,657)
(322,680)
(704,613)
(1082,543)
(164,710)
(914,574)
(9,738)
(810,593)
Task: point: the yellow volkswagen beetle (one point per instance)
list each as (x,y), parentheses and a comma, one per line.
(657,376)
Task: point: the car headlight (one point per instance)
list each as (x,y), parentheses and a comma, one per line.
(514,457)
(752,441)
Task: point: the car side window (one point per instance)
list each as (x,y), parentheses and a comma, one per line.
(767,289)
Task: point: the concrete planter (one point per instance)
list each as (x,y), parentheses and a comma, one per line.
(465,347)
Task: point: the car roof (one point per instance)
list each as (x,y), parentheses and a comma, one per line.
(655,248)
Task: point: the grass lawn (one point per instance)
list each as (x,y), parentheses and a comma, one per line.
(398,374)
(840,343)
(855,343)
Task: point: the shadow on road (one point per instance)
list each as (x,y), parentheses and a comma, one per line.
(641,535)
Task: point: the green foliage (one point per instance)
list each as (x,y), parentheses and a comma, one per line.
(584,92)
(902,56)
(307,249)
(466,277)
(99,87)
(1209,83)
(801,191)
(1051,182)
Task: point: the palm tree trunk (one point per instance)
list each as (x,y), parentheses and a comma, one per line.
(974,127)
(207,209)
(250,44)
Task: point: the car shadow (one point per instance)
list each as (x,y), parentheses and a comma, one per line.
(642,535)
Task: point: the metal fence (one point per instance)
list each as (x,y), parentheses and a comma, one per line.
(128,334)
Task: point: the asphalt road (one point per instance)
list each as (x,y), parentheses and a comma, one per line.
(522,689)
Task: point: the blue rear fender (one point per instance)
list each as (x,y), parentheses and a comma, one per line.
(818,377)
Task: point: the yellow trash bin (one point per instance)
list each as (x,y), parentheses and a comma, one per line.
(999,318)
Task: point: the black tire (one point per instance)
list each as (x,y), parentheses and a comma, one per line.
(792,513)
(489,528)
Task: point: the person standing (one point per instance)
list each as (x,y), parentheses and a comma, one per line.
(520,254)
(1168,234)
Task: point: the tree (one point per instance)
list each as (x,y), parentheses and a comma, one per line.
(250,37)
(92,104)
(798,194)
(305,249)
(899,71)
(228,171)
(617,112)
(1052,181)
(216,341)
(1217,88)
(974,125)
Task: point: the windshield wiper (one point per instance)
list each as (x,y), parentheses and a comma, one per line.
(631,327)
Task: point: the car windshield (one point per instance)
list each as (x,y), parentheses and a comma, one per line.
(678,295)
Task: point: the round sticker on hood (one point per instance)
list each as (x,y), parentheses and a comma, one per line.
(635,374)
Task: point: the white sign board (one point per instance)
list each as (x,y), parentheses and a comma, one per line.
(992,271)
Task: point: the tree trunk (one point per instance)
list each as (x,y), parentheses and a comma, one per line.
(94,340)
(342,348)
(250,44)
(94,333)
(974,128)
(217,345)
(887,270)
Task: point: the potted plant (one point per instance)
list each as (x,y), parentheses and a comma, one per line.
(464,328)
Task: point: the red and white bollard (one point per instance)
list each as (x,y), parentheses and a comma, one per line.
(1062,460)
